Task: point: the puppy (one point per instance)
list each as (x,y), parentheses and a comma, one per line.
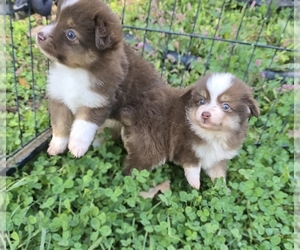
(92,71)
(202,126)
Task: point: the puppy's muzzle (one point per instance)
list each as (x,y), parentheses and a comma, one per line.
(44,33)
(41,36)
(205,115)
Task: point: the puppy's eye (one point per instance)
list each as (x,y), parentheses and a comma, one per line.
(226,107)
(202,101)
(71,35)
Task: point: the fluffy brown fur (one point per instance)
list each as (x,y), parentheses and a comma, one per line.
(93,72)
(164,125)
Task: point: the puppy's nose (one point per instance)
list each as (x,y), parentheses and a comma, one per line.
(41,36)
(205,115)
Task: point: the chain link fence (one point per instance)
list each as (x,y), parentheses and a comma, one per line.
(254,40)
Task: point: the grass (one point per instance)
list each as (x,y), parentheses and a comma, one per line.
(66,203)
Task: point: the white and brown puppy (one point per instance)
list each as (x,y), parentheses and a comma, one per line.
(200,127)
(92,72)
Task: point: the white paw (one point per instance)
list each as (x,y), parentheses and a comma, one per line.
(192,175)
(81,137)
(57,145)
(194,182)
(78,146)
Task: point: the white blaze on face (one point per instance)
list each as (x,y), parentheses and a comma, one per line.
(217,84)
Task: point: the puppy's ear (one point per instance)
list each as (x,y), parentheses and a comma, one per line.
(187,95)
(253,108)
(102,35)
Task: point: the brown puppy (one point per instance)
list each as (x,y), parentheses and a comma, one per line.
(92,72)
(199,127)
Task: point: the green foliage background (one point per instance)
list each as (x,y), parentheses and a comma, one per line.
(66,203)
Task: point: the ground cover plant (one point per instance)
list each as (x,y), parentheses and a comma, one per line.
(66,203)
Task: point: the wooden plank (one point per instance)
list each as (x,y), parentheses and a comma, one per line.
(10,165)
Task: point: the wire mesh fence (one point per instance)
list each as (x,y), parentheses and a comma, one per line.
(25,84)
(184,40)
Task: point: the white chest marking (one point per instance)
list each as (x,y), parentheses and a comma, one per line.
(73,88)
(211,153)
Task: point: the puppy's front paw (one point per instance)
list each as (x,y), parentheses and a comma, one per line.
(194,182)
(192,175)
(57,145)
(78,146)
(82,135)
